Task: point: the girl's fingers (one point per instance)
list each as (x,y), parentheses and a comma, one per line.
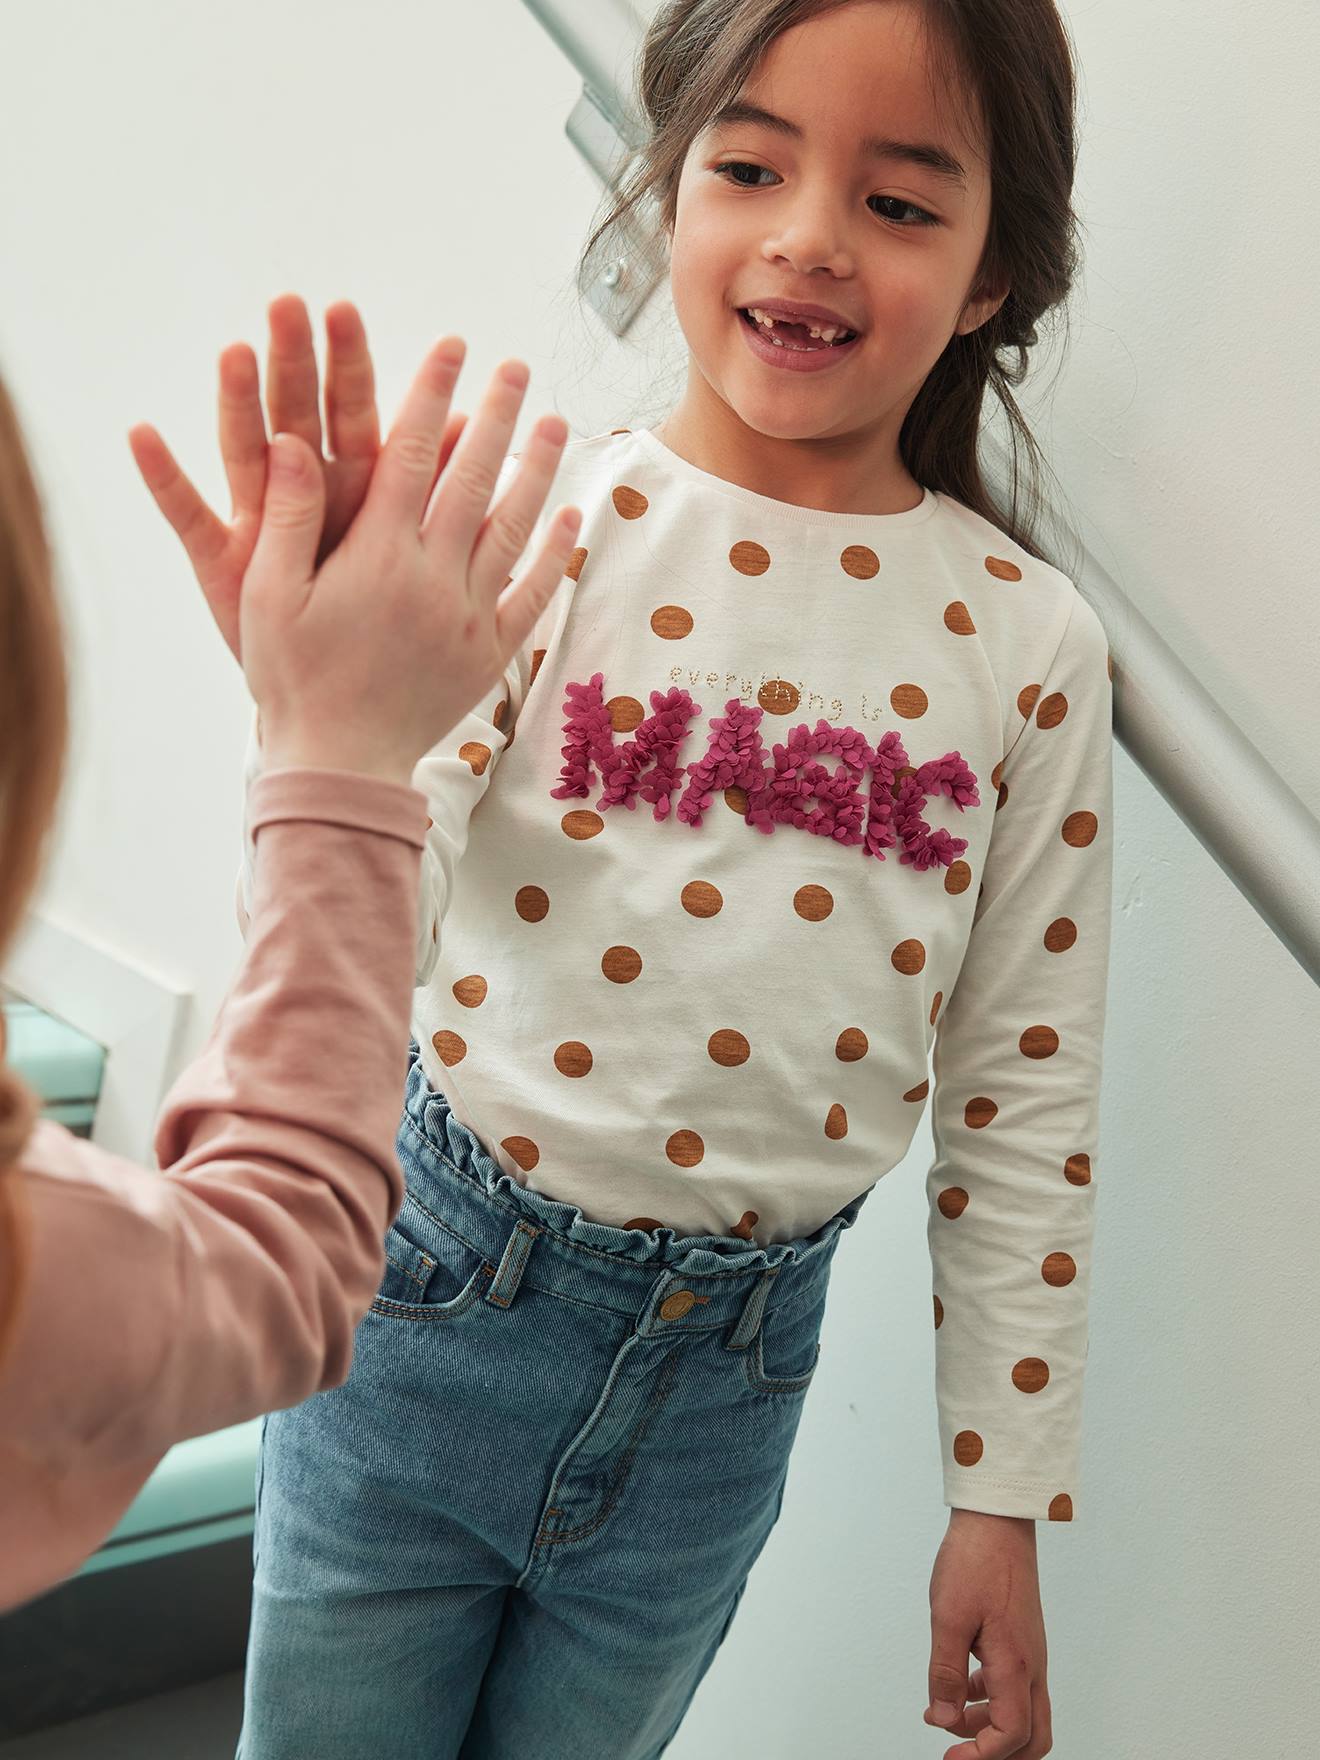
(242,430)
(408,464)
(350,386)
(453,428)
(203,535)
(291,386)
(521,603)
(501,542)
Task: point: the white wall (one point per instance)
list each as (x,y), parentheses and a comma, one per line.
(166,170)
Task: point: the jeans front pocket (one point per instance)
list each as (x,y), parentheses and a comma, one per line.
(783,1356)
(431,1273)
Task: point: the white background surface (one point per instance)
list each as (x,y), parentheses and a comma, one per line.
(166,170)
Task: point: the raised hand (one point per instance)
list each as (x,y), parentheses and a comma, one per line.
(220,552)
(369,658)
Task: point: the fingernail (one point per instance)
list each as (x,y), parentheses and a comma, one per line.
(283,460)
(945,1712)
(516,374)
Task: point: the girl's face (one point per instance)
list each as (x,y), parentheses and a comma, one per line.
(806,213)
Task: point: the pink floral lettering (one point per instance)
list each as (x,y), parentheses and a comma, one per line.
(791,786)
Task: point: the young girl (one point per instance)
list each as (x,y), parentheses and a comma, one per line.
(805,770)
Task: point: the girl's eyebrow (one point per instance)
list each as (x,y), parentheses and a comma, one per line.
(935,159)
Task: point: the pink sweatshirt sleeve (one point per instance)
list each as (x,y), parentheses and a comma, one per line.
(166,1305)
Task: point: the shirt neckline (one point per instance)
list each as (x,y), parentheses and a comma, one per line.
(676,465)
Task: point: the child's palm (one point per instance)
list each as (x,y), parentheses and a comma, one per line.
(220,553)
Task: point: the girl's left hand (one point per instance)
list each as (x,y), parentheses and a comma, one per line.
(985,1598)
(220,553)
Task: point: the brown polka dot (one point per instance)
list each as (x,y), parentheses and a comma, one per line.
(996,775)
(501,710)
(685,1148)
(1077,1170)
(476,754)
(978,1112)
(952,1201)
(939,1313)
(1027,698)
(700,899)
(909,701)
(749,557)
(958,619)
(620,430)
(908,957)
(1003,796)
(671,622)
(1109,665)
(629,503)
(860,561)
(919,1092)
(728,1047)
(935,1005)
(449,1048)
(538,654)
(625,713)
(1031,1374)
(582,823)
(1060,935)
(778,697)
(957,877)
(434,931)
(621,964)
(745,1224)
(967,1448)
(736,800)
(851,1045)
(522,1150)
(576,557)
(1058,1269)
(1039,1042)
(1061,1508)
(572,1058)
(1079,829)
(814,903)
(1052,711)
(645,1223)
(471,992)
(1001,570)
(836,1123)
(531,903)
(430,823)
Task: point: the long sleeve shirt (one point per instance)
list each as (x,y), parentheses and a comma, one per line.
(160,1305)
(775,808)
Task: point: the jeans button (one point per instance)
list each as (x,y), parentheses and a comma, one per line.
(674,1307)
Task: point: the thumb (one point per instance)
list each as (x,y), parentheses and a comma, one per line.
(292,512)
(947,1683)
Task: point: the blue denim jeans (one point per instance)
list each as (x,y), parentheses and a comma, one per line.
(521,1528)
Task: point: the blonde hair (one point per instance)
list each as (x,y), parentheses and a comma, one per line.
(33,737)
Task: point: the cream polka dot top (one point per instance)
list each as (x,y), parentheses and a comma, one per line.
(778,812)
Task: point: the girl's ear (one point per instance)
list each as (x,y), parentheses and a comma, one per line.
(981,309)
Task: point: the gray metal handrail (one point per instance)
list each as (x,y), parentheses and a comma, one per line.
(1236,805)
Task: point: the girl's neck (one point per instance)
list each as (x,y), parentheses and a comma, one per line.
(833,476)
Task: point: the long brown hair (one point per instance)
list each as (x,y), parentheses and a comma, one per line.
(33,733)
(1015,56)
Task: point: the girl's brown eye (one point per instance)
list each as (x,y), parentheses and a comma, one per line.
(924,219)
